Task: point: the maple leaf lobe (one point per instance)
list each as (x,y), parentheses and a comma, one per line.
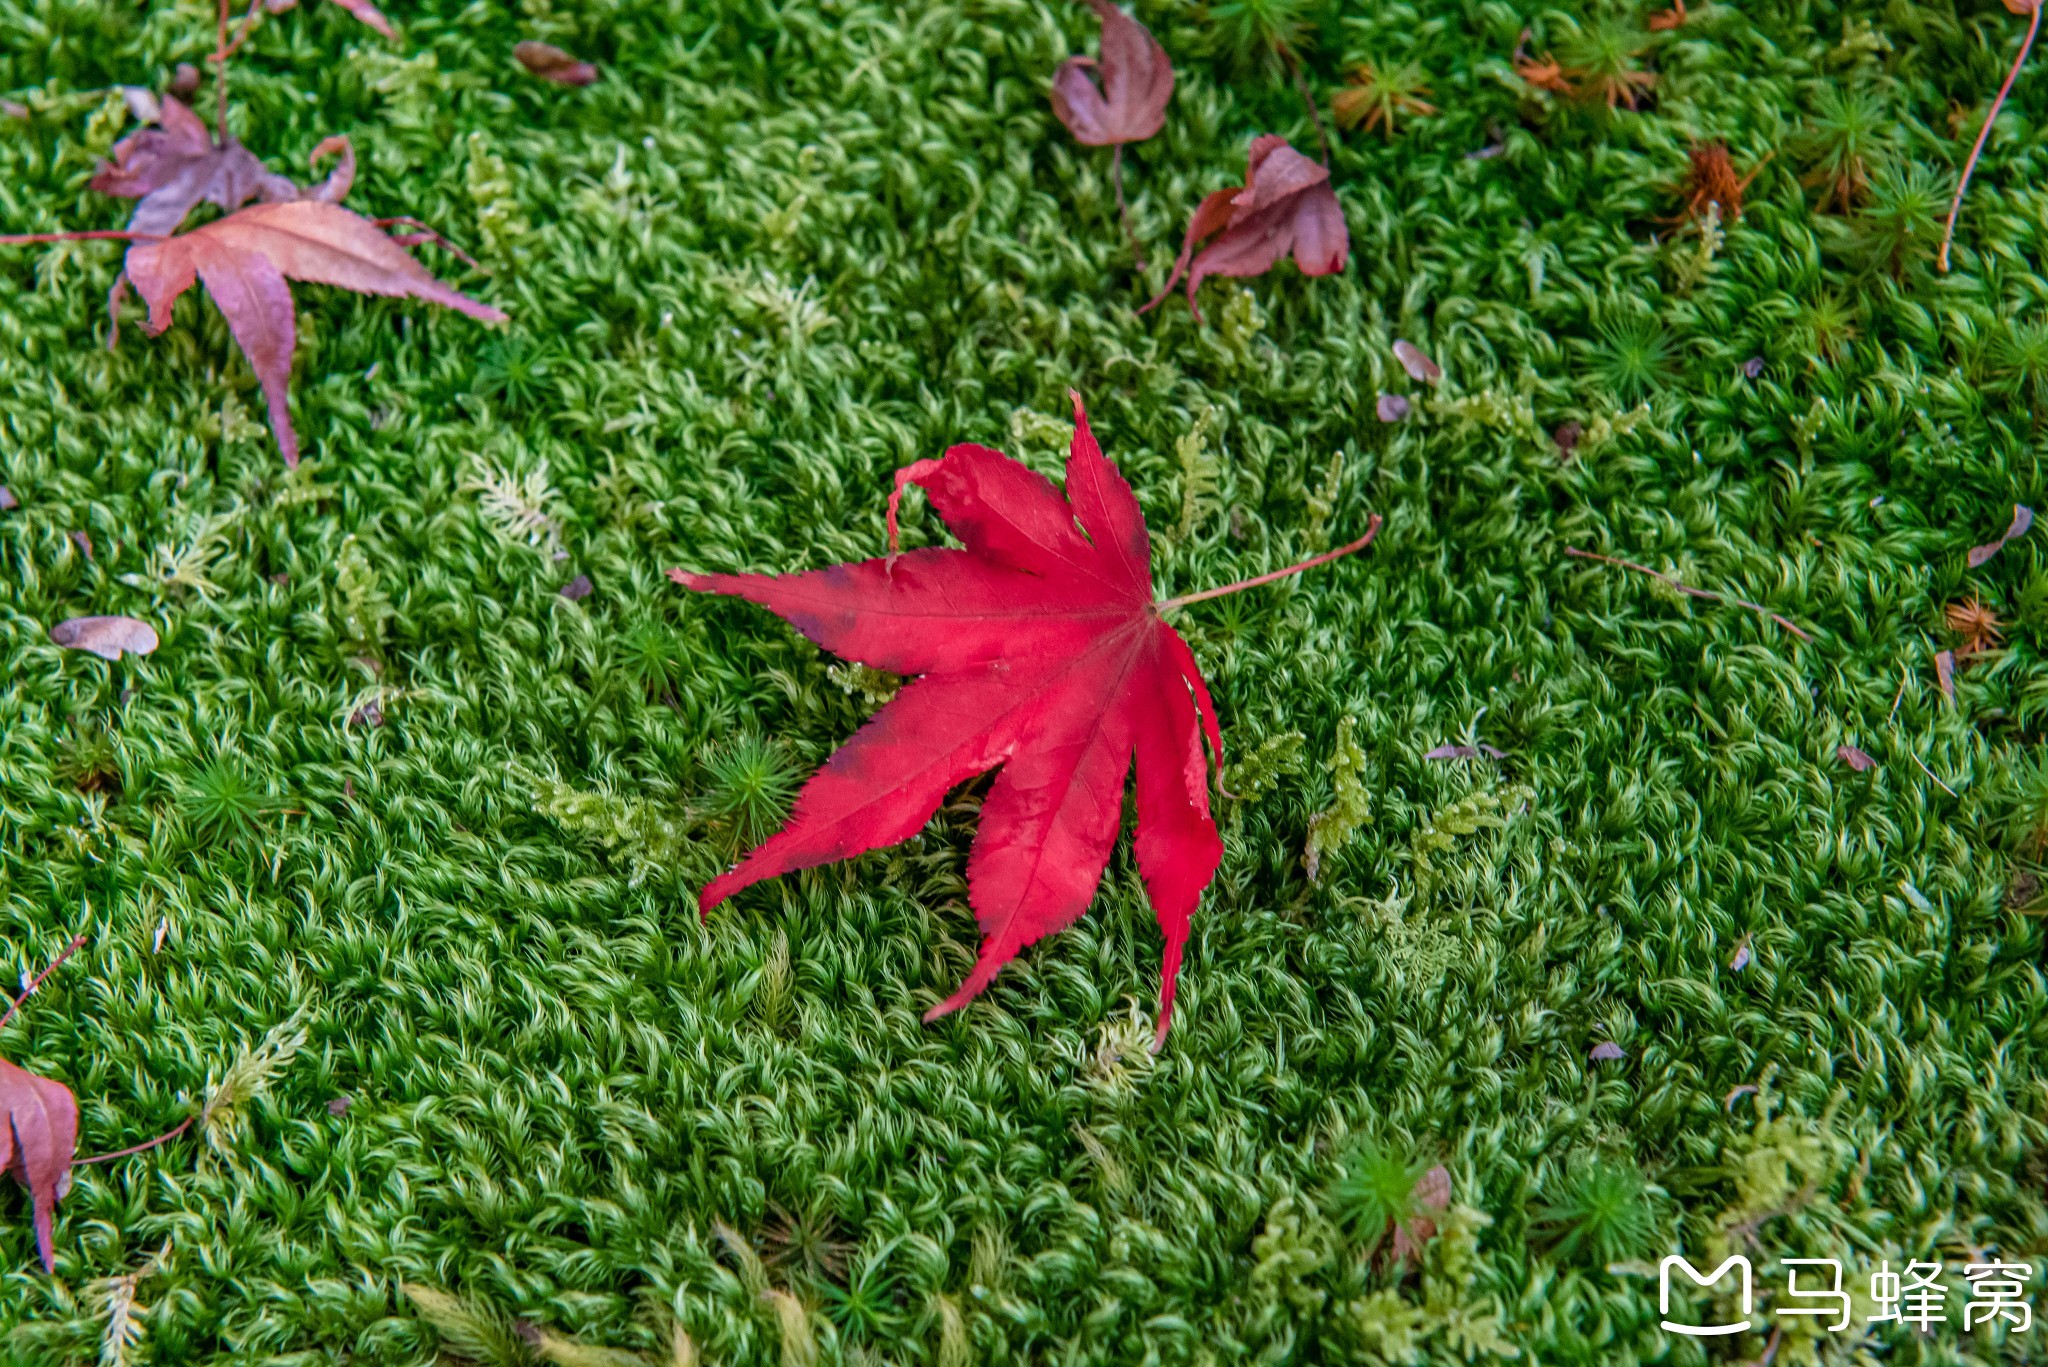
(1038,648)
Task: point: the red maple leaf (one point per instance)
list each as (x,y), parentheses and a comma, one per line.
(39,1138)
(1286,205)
(1040,648)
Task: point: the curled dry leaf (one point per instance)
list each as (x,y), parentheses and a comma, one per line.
(1432,1192)
(576,589)
(1286,205)
(38,1143)
(1136,82)
(175,165)
(245,261)
(550,63)
(1607,1051)
(1855,758)
(2022,519)
(1416,362)
(106,637)
(1945,672)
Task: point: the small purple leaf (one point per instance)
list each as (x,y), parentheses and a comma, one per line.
(1855,758)
(1391,408)
(576,589)
(1753,367)
(1607,1051)
(1419,367)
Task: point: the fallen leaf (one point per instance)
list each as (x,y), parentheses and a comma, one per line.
(369,714)
(38,1143)
(184,81)
(1136,82)
(1432,1191)
(576,589)
(1855,758)
(369,14)
(1465,752)
(1038,648)
(1753,367)
(83,542)
(172,166)
(1567,437)
(550,63)
(1740,960)
(1420,368)
(1286,205)
(1391,407)
(106,637)
(8,502)
(339,1105)
(1605,1052)
(1945,671)
(245,260)
(2022,518)
(143,105)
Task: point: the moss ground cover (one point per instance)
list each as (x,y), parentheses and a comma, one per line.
(384,784)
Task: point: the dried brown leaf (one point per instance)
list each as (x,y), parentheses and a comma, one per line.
(106,637)
(1855,758)
(1420,368)
(2022,518)
(550,63)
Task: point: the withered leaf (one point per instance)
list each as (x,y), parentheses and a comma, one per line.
(1286,205)
(1420,368)
(1607,1051)
(576,589)
(1137,83)
(38,1143)
(1391,407)
(1945,671)
(8,502)
(550,63)
(339,1105)
(246,259)
(1432,1192)
(1855,758)
(106,637)
(174,165)
(2022,518)
(1465,752)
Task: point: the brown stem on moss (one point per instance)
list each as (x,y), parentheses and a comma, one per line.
(166,1137)
(1123,210)
(1692,592)
(1948,234)
(1315,115)
(426,233)
(1371,531)
(37,981)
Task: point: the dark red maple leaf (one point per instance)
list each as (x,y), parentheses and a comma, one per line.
(175,164)
(246,260)
(1136,84)
(1128,106)
(1040,648)
(1286,205)
(40,1136)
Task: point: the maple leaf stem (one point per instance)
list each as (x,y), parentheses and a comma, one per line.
(37,981)
(1255,581)
(1123,210)
(1984,133)
(1315,115)
(166,1137)
(1692,592)
(82,235)
(426,233)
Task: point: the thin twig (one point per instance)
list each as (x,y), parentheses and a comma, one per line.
(223,49)
(166,1137)
(1241,585)
(1123,210)
(1315,115)
(1948,234)
(1771,1345)
(1931,774)
(37,981)
(1906,677)
(1689,590)
(427,234)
